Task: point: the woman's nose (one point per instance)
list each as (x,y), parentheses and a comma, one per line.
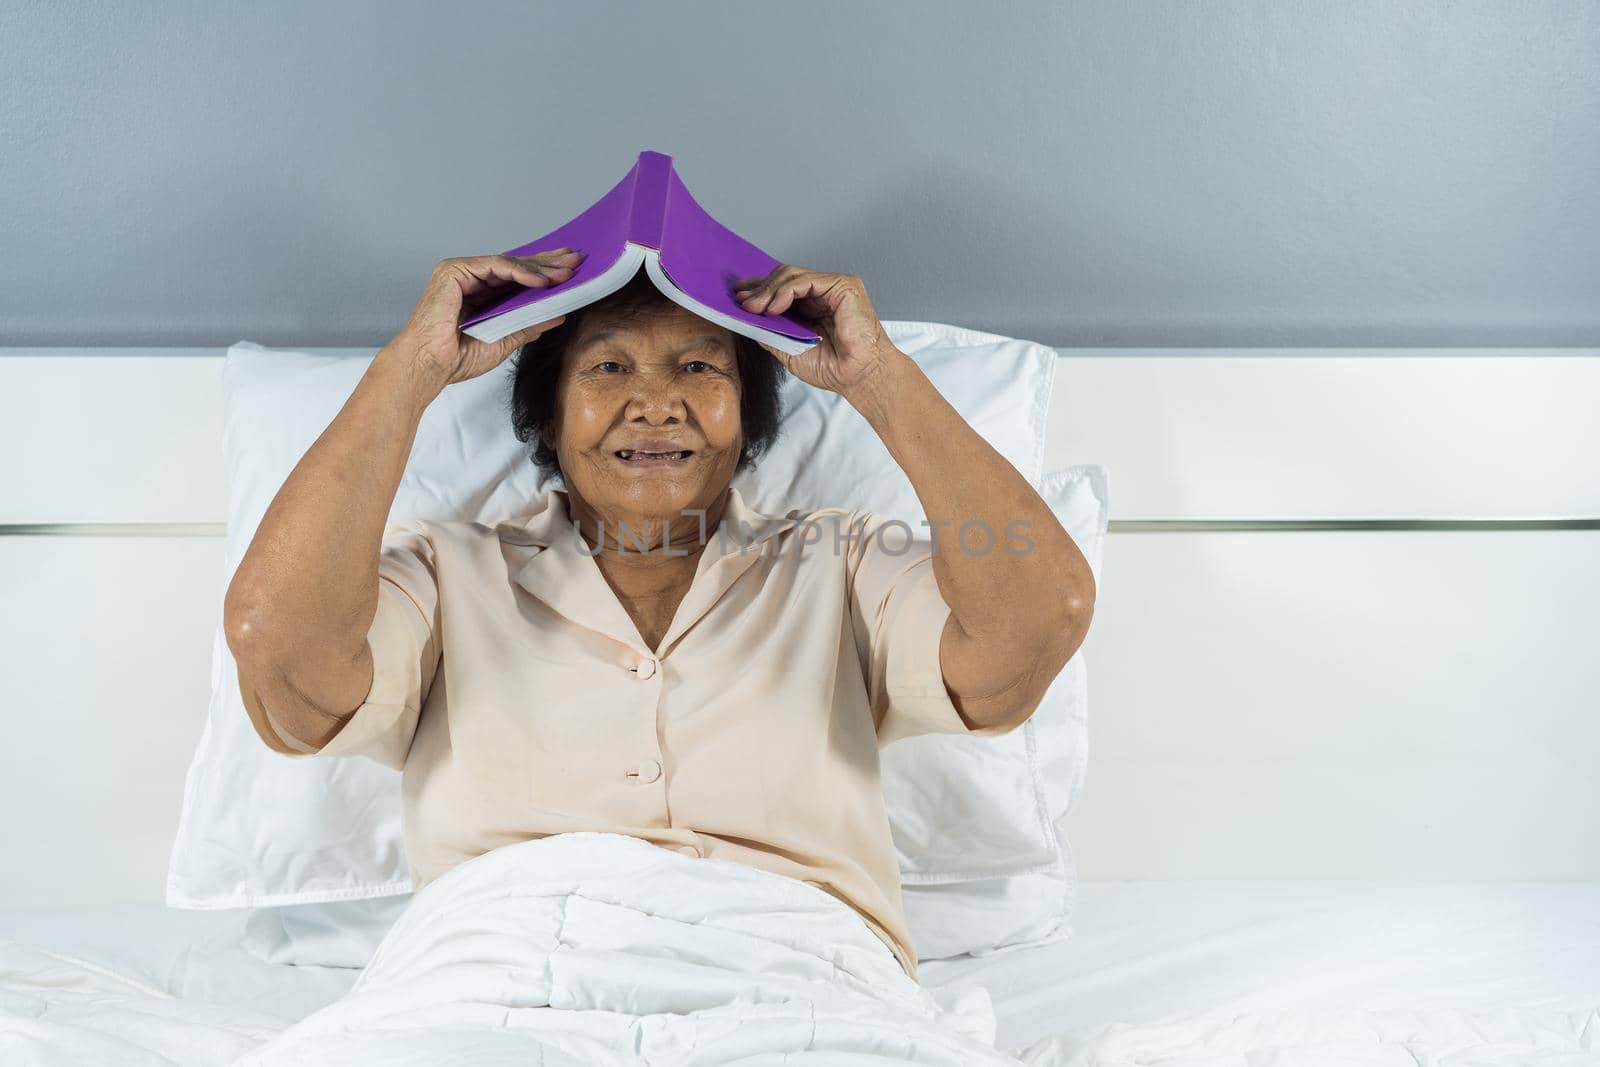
(647,398)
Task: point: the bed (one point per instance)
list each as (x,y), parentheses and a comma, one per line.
(1168,972)
(1352,820)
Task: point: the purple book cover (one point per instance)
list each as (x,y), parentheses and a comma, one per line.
(651,208)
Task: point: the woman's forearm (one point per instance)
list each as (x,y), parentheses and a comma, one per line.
(1018,607)
(298,609)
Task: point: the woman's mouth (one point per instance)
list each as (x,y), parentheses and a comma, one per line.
(653,459)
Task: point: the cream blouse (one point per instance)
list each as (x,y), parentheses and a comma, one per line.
(515,694)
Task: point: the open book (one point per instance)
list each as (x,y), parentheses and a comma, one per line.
(647,218)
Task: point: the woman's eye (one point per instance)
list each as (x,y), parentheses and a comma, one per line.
(604,364)
(697,363)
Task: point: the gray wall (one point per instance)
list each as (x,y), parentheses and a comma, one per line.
(1128,174)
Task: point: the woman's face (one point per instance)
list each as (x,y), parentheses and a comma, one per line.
(665,380)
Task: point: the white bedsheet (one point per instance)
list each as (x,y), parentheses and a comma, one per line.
(1304,972)
(1177,973)
(186,955)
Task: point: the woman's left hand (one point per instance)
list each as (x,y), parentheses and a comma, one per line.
(852,345)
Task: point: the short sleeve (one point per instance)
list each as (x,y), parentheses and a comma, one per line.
(405,645)
(899,616)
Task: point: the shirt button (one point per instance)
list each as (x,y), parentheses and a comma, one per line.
(689,850)
(646,668)
(648,771)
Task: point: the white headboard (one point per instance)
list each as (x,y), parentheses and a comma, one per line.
(1346,628)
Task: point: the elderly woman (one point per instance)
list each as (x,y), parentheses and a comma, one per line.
(643,652)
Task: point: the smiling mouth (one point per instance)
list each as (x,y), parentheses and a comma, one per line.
(653,459)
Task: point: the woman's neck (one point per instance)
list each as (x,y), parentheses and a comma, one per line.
(647,550)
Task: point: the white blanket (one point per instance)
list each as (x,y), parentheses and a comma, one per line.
(593,948)
(583,948)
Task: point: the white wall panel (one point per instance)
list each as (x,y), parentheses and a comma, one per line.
(1344,705)
(107,671)
(1202,433)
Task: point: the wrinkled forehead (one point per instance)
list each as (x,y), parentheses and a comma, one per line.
(652,335)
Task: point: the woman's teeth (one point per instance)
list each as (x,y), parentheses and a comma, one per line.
(629,454)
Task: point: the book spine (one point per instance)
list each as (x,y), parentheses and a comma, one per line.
(647,218)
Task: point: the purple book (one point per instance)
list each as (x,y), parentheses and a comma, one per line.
(647,218)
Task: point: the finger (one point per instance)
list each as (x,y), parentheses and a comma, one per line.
(556,257)
(500,265)
(539,277)
(744,287)
(769,298)
(787,293)
(742,284)
(560,259)
(756,279)
(477,273)
(810,285)
(486,271)
(557,266)
(757,291)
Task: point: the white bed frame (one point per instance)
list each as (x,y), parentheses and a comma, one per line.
(1347,627)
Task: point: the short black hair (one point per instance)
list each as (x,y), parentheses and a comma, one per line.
(538,368)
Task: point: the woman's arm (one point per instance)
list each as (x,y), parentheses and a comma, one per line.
(300,605)
(298,609)
(1018,611)
(1015,619)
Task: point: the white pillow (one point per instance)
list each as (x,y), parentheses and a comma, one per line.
(337,933)
(260,830)
(947,916)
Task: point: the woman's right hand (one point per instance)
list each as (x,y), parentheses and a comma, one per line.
(433,335)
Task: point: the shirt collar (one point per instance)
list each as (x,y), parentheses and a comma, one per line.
(564,575)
